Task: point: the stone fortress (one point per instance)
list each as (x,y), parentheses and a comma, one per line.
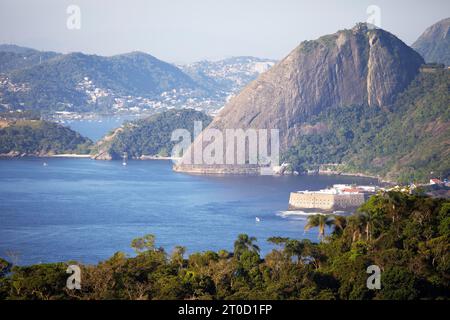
(339,197)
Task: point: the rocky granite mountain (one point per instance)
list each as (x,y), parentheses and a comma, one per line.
(434,43)
(351,67)
(362,68)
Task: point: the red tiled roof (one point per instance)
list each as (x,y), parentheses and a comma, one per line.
(350,190)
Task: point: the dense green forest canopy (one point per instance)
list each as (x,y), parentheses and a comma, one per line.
(406,235)
(38,137)
(403,142)
(152,135)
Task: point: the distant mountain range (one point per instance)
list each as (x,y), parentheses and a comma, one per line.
(229,75)
(15,58)
(434,43)
(355,99)
(133,82)
(358,100)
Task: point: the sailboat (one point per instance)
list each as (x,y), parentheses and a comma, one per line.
(124,159)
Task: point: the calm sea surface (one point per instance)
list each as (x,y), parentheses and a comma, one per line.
(85,210)
(96,128)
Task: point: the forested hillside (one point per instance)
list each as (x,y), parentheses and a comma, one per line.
(406,236)
(405,142)
(40,138)
(71,81)
(150,136)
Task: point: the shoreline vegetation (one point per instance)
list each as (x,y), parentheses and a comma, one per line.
(405,235)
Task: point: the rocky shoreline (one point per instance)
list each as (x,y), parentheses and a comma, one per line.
(194,169)
(256,170)
(350,174)
(218,169)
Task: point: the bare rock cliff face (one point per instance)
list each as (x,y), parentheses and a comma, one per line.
(434,43)
(351,67)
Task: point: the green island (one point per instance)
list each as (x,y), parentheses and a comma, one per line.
(24,134)
(149,136)
(31,137)
(405,235)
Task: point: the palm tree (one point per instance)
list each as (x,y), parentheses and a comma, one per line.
(366,222)
(339,223)
(356,225)
(245,243)
(320,221)
(363,223)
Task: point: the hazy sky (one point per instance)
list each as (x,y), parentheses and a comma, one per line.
(189,30)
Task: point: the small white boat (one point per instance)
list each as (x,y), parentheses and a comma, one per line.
(257,219)
(124,159)
(45,164)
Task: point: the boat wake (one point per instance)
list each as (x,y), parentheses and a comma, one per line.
(300,215)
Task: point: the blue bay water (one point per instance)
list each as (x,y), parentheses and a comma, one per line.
(85,210)
(95,129)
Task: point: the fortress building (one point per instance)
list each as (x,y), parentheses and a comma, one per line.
(339,197)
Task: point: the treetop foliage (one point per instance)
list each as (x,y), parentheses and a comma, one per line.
(407,236)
